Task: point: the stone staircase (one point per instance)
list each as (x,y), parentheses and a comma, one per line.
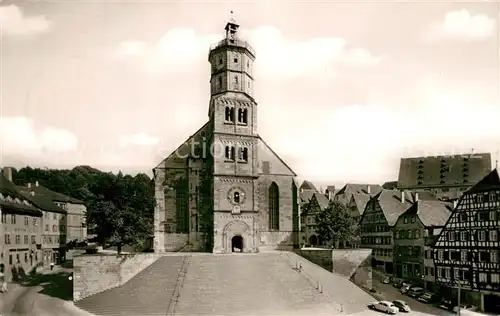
(148,293)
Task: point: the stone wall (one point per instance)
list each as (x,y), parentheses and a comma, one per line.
(320,256)
(355,264)
(96,273)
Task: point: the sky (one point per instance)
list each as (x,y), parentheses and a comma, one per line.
(344,89)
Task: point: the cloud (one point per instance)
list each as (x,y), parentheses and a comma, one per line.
(277,57)
(13,22)
(362,142)
(18,137)
(461,25)
(141,139)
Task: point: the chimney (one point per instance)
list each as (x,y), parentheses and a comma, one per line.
(36,183)
(455,204)
(7,173)
(368,189)
(29,185)
(416,196)
(32,193)
(402,196)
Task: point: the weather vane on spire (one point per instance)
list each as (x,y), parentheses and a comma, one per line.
(232,17)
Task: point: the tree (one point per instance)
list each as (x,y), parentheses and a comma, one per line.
(335,224)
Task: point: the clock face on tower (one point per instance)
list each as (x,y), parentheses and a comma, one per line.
(236,196)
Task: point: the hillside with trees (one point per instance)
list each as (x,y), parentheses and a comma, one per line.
(120,207)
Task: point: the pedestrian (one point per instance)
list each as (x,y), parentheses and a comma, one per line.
(52,266)
(3,283)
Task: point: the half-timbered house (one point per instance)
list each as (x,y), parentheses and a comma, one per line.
(466,254)
(380,215)
(316,204)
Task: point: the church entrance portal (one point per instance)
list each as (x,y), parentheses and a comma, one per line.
(237,244)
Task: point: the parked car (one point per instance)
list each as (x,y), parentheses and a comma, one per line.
(446,304)
(386,280)
(405,287)
(415,292)
(397,283)
(403,307)
(428,298)
(384,306)
(465,307)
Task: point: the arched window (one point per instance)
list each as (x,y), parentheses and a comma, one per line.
(229,114)
(236,197)
(182,210)
(274,213)
(243,116)
(229,153)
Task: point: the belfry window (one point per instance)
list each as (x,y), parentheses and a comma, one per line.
(229,153)
(243,116)
(243,154)
(229,114)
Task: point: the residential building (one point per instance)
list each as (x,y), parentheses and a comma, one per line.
(20,230)
(466,254)
(447,177)
(317,203)
(242,197)
(411,232)
(74,228)
(345,193)
(53,227)
(376,223)
(356,207)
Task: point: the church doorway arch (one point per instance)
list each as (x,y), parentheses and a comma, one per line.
(237,244)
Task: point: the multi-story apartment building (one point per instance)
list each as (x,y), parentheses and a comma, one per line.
(20,230)
(466,254)
(316,204)
(74,225)
(410,235)
(447,177)
(380,215)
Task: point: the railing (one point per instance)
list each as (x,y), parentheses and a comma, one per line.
(230,42)
(174,299)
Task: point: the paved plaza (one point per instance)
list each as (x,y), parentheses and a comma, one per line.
(233,284)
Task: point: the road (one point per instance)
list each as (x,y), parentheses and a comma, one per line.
(391,293)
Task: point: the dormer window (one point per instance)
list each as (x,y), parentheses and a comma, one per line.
(243,116)
(229,114)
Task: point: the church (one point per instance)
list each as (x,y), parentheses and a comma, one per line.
(224,189)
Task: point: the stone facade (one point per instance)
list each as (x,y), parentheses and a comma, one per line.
(224,188)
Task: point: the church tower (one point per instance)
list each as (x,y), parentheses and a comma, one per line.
(233,141)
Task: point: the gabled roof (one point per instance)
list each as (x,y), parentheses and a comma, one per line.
(9,189)
(41,200)
(308,185)
(322,200)
(316,198)
(390,185)
(391,204)
(361,200)
(431,213)
(422,195)
(454,170)
(490,182)
(53,195)
(290,170)
(351,188)
(306,195)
